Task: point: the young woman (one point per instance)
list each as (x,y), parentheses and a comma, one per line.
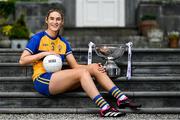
(50,42)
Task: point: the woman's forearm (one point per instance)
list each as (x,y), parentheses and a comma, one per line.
(28,59)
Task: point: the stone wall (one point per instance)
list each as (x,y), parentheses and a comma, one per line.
(167,12)
(80,37)
(35,12)
(168,15)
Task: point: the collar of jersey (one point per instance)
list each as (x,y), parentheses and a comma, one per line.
(53,38)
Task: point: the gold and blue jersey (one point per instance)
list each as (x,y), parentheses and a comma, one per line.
(42,42)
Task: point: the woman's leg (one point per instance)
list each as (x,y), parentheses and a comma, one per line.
(104,80)
(64,80)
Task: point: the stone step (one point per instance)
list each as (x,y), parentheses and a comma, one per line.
(138,69)
(155,84)
(148,99)
(138,55)
(171,83)
(164,110)
(149,83)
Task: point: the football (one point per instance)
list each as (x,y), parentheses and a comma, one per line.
(52,63)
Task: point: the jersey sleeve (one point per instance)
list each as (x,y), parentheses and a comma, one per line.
(68,49)
(32,45)
(68,46)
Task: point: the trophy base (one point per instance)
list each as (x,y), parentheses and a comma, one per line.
(113,72)
(112,69)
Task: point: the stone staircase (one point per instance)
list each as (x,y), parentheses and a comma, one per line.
(155,84)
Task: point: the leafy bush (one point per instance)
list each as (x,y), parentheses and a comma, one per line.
(148,17)
(19,29)
(7,8)
(173,35)
(6,30)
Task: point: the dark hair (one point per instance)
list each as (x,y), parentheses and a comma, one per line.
(55,10)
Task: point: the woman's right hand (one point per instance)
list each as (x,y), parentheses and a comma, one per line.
(27,57)
(49,53)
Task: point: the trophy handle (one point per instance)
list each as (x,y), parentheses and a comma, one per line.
(91,44)
(128,73)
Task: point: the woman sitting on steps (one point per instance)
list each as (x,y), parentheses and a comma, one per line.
(50,42)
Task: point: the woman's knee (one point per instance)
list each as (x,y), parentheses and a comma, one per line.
(96,70)
(83,72)
(93,68)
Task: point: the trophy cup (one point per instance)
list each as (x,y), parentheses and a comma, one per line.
(111,52)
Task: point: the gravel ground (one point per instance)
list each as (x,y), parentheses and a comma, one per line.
(87,117)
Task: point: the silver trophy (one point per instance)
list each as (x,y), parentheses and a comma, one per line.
(110,52)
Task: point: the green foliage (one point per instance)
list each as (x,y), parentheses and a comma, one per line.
(6,30)
(19,29)
(3,20)
(28,0)
(173,35)
(6,8)
(21,21)
(148,17)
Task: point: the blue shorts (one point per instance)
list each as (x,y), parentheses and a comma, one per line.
(41,83)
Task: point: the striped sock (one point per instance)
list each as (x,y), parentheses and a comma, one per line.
(117,93)
(99,101)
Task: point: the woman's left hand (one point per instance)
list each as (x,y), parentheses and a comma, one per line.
(94,68)
(101,68)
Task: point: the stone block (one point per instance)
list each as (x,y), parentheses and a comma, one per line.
(171,9)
